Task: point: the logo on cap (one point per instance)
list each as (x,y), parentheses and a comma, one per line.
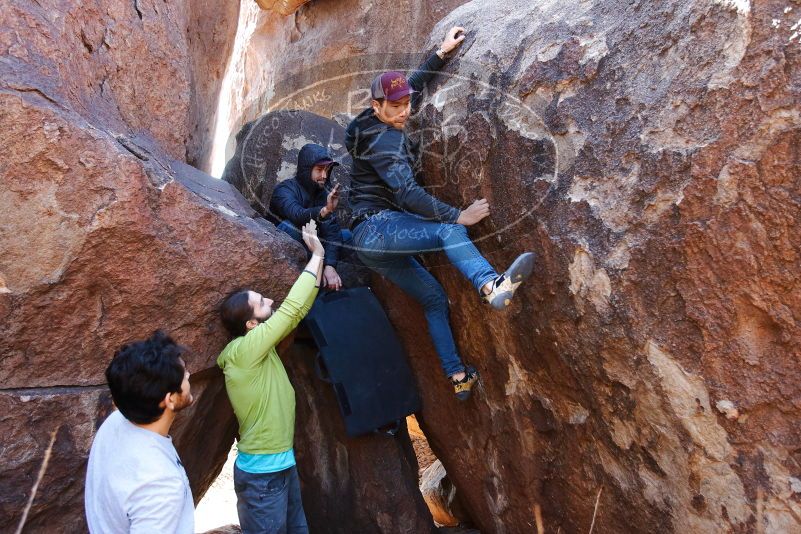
(391,85)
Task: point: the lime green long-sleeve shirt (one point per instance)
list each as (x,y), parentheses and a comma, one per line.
(256,381)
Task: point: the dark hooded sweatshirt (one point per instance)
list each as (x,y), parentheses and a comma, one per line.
(382,176)
(301,200)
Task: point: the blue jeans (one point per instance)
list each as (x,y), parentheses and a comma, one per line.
(293,232)
(387,242)
(269,503)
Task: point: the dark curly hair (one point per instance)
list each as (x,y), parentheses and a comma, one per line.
(142,373)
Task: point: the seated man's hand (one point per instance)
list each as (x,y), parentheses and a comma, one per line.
(451,41)
(331,278)
(331,202)
(311,239)
(476,212)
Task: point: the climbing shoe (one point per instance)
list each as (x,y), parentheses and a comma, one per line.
(504,287)
(462,387)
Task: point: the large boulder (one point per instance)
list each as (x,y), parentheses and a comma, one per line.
(645,379)
(107,235)
(92,261)
(138,67)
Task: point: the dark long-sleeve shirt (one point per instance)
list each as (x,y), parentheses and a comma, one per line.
(382,175)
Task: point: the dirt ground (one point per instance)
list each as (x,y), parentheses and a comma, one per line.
(218,506)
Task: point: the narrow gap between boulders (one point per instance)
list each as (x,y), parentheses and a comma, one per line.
(435,486)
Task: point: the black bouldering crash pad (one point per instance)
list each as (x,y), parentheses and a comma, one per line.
(362,357)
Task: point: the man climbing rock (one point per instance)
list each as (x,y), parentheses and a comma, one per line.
(135,481)
(395,219)
(309,196)
(265,477)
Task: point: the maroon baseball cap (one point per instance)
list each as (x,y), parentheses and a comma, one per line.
(391,85)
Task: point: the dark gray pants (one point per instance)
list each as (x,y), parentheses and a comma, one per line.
(269,503)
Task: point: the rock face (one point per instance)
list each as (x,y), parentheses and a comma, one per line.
(112,62)
(282,7)
(646,378)
(107,235)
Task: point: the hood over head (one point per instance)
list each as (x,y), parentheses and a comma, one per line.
(308,157)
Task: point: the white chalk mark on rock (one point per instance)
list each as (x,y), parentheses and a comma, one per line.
(742,6)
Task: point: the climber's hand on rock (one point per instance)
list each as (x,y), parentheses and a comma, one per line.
(451,41)
(476,212)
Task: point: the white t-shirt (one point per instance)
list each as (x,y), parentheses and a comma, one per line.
(135,482)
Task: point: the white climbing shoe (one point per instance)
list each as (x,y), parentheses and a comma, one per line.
(504,287)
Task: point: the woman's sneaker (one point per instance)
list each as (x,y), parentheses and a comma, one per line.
(504,287)
(462,387)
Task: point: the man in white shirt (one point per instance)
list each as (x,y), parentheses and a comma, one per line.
(135,481)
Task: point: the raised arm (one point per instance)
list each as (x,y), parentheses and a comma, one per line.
(257,343)
(420,77)
(423,74)
(316,262)
(331,235)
